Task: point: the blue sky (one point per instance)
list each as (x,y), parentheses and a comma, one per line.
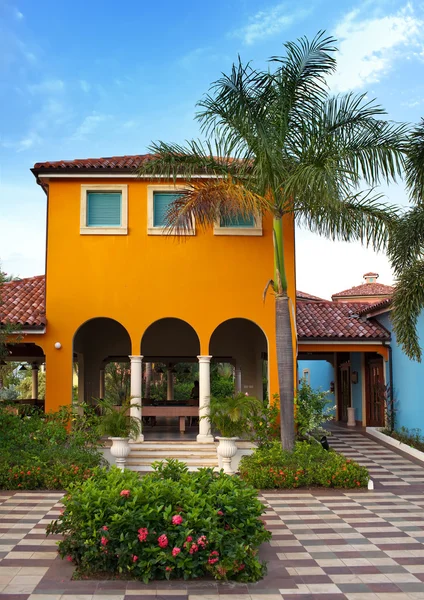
(95,78)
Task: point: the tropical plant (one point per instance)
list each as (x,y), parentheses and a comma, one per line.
(117,382)
(406,251)
(277,143)
(313,409)
(230,416)
(116,421)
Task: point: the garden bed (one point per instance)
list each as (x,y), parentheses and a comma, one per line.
(409,442)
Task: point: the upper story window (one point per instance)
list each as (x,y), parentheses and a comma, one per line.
(239,225)
(159,199)
(104,210)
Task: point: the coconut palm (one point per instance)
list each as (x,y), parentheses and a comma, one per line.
(406,250)
(276,142)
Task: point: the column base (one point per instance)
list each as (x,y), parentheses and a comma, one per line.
(204,439)
(351,417)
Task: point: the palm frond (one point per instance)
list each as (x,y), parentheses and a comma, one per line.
(407,304)
(415,164)
(407,239)
(209,201)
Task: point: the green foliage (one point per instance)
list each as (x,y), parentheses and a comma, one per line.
(411,437)
(171,524)
(222,387)
(230,416)
(308,465)
(312,410)
(117,382)
(25,385)
(264,423)
(116,421)
(46,451)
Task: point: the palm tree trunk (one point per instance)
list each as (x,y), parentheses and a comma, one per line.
(285,370)
(148,378)
(284,339)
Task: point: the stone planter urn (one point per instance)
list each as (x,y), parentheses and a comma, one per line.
(120,449)
(227,448)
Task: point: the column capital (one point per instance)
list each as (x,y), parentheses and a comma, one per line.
(35,366)
(136,357)
(204,359)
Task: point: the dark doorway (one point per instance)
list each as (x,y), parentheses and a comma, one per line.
(344,389)
(375,390)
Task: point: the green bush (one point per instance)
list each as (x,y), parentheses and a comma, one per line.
(170,524)
(39,451)
(411,437)
(312,410)
(308,465)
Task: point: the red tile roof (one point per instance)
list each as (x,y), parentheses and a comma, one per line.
(367,289)
(376,307)
(336,321)
(22,302)
(304,296)
(111,163)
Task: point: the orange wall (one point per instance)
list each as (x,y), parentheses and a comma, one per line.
(137,279)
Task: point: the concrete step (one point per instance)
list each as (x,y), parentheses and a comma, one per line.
(194,455)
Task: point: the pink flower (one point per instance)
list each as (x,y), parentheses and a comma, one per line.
(189,538)
(177,520)
(202,541)
(142,534)
(214,553)
(194,548)
(220,513)
(105,528)
(175,551)
(125,493)
(212,561)
(169,568)
(69,558)
(163,541)
(135,558)
(104,541)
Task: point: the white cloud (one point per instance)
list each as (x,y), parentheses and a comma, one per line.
(88,125)
(18,14)
(85,86)
(48,86)
(370,45)
(268,23)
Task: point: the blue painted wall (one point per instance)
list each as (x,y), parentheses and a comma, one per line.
(355,365)
(408,380)
(321,375)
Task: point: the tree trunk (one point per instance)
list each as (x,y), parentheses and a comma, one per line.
(285,369)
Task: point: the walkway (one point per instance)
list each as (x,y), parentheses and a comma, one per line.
(326,545)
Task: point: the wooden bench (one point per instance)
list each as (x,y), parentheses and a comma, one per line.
(171,411)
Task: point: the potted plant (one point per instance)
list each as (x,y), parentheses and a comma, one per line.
(118,424)
(230,416)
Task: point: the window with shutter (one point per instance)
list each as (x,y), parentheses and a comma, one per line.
(159,199)
(161,203)
(104,209)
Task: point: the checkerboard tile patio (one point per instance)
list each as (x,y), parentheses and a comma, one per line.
(326,545)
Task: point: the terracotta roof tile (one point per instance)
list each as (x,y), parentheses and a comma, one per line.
(304,296)
(377,306)
(22,302)
(336,321)
(110,163)
(367,289)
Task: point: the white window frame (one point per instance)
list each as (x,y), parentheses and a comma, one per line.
(151,229)
(93,187)
(306,375)
(255,230)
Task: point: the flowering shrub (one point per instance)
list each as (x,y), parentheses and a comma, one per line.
(39,451)
(313,409)
(307,465)
(197,524)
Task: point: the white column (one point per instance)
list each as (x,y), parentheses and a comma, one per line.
(102,383)
(205,436)
(136,381)
(238,380)
(170,384)
(34,392)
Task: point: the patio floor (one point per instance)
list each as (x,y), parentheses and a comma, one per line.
(358,545)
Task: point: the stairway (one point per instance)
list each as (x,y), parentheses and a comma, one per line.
(193,454)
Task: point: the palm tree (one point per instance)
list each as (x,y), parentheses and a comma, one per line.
(406,250)
(276,142)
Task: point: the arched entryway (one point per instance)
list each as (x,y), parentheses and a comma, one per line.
(242,343)
(96,343)
(170,348)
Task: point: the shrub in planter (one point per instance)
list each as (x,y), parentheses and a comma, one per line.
(170,524)
(308,465)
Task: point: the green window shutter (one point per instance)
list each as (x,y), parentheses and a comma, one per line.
(238,221)
(161,202)
(104,209)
